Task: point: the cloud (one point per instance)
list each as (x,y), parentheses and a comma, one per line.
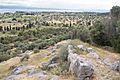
(64,4)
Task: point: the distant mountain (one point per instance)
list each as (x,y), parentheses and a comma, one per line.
(78,10)
(22,7)
(11,7)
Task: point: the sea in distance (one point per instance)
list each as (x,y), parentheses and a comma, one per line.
(36,10)
(48,10)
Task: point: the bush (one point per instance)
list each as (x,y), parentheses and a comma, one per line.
(4,57)
(36,50)
(98,34)
(63,54)
(33,39)
(16,52)
(13,32)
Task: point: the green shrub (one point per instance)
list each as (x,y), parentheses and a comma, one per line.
(4,57)
(13,31)
(63,54)
(36,50)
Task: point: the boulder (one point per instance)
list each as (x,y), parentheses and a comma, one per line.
(44,65)
(53,62)
(116,66)
(94,55)
(81,69)
(91,53)
(41,75)
(79,66)
(89,50)
(81,47)
(11,77)
(55,77)
(19,69)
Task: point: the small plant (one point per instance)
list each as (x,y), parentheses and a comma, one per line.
(36,50)
(63,54)
(56,71)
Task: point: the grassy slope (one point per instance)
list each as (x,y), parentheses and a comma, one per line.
(102,72)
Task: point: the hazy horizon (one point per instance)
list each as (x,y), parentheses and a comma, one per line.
(83,5)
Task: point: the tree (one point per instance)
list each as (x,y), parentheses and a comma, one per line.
(116,42)
(115,25)
(115,16)
(115,13)
(98,34)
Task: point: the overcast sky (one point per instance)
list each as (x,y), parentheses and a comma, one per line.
(63,4)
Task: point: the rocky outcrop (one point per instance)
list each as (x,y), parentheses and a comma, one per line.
(81,47)
(29,72)
(41,75)
(91,53)
(44,65)
(16,71)
(51,63)
(19,69)
(116,66)
(89,50)
(79,66)
(11,77)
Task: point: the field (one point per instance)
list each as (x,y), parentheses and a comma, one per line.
(21,31)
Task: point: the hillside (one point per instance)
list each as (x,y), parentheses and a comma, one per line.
(33,68)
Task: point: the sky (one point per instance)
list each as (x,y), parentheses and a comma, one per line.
(63,4)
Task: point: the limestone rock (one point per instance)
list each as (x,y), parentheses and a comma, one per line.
(55,77)
(53,62)
(94,55)
(19,69)
(79,66)
(91,53)
(11,77)
(81,47)
(38,74)
(89,50)
(116,66)
(44,65)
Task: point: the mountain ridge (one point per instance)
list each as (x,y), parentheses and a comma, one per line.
(78,10)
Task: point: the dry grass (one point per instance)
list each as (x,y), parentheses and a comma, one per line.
(116,78)
(102,52)
(37,58)
(5,66)
(101,71)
